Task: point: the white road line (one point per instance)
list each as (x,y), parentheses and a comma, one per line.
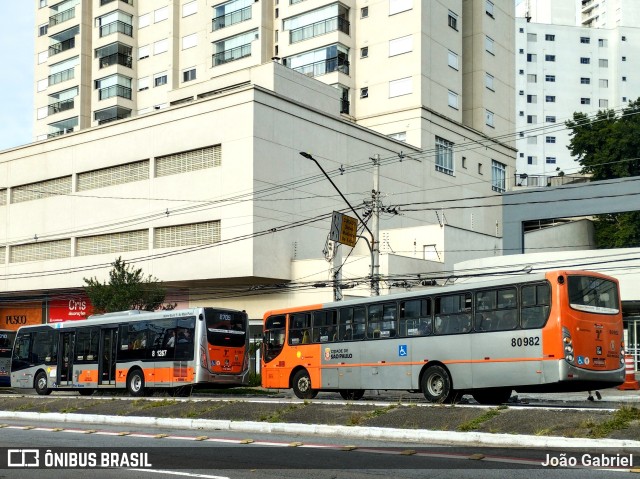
(178,473)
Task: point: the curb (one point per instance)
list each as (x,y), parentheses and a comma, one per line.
(448,438)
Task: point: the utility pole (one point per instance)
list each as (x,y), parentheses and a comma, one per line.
(375,224)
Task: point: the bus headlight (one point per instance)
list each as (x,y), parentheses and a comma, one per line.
(568,349)
(569,358)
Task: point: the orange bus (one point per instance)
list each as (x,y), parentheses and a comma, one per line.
(141,351)
(544,332)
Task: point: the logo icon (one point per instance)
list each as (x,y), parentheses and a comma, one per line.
(327,354)
(23,458)
(402,350)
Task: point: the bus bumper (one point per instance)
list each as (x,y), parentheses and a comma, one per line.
(224,380)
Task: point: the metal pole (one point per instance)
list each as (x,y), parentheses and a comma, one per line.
(374,278)
(375,196)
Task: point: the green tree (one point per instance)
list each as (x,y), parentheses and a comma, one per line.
(127,289)
(607,146)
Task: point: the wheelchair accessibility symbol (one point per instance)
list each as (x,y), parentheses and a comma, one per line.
(402,350)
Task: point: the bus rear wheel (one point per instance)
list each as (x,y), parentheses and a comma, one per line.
(302,385)
(135,383)
(40,384)
(492,395)
(436,385)
(352,394)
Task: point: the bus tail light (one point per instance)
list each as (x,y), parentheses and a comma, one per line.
(621,353)
(203,358)
(568,345)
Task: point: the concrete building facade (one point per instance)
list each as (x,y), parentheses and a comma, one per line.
(568,62)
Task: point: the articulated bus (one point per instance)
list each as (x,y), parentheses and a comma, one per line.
(6,343)
(544,332)
(174,350)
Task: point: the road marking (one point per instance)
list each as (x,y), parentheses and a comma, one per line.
(178,473)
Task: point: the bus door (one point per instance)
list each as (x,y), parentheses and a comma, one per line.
(107,354)
(184,364)
(65,358)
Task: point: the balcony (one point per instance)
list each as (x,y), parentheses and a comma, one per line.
(116,59)
(324,66)
(60,132)
(62,16)
(110,114)
(117,26)
(104,2)
(231,18)
(59,106)
(114,90)
(61,76)
(62,46)
(319,28)
(232,54)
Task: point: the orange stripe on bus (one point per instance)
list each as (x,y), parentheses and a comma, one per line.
(419,363)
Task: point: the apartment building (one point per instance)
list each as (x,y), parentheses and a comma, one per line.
(565,68)
(104,60)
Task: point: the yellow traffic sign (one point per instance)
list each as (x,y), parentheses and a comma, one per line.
(344,229)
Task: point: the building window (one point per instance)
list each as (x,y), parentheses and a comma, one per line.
(585,60)
(189,75)
(550,118)
(113,22)
(585,101)
(532,160)
(160,46)
(364,12)
(480,168)
(488,81)
(489,45)
(532,140)
(521,113)
(498,176)
(521,72)
(364,52)
(364,92)
(532,119)
(532,37)
(521,51)
(550,38)
(624,78)
(604,83)
(397,6)
(550,99)
(189,8)
(603,63)
(550,78)
(190,41)
(532,57)
(453,99)
(452,59)
(161,14)
(585,81)
(521,30)
(113,175)
(400,136)
(235,48)
(230,13)
(143,52)
(453,20)
(550,139)
(43,29)
(624,39)
(603,42)
(488,118)
(604,103)
(550,160)
(586,40)
(550,58)
(398,46)
(113,86)
(160,79)
(488,8)
(531,78)
(532,98)
(521,92)
(624,98)
(624,59)
(403,86)
(186,161)
(444,156)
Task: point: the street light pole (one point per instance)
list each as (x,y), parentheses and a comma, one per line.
(374,279)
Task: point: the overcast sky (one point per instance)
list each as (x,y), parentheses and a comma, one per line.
(16,79)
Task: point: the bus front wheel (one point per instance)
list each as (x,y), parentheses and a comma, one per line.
(436,385)
(40,384)
(302,385)
(135,383)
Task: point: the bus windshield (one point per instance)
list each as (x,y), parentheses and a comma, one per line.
(6,343)
(593,295)
(226,328)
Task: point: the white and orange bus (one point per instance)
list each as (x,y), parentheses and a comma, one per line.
(544,332)
(6,343)
(175,350)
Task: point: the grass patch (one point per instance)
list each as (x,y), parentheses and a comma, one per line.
(543,432)
(477,422)
(276,416)
(238,391)
(620,420)
(357,419)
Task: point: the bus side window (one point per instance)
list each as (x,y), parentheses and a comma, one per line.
(536,299)
(359,320)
